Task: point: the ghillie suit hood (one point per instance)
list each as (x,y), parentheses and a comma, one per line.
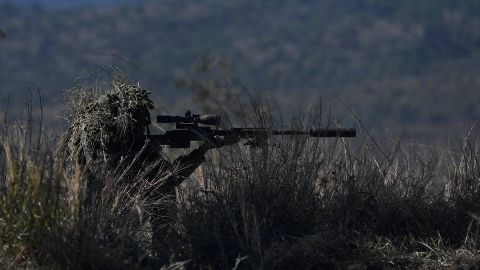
(106,123)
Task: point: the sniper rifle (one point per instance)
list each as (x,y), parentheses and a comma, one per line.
(194,127)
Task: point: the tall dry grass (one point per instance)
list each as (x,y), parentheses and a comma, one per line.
(332,203)
(52,218)
(293,202)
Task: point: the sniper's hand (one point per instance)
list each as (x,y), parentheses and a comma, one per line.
(219,141)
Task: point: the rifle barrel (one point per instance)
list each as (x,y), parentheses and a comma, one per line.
(324,132)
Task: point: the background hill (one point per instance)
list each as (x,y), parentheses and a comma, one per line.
(408,63)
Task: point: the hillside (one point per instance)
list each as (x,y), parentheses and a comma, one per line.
(55,4)
(406,62)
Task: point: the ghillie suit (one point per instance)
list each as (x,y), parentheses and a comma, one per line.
(103,127)
(107,136)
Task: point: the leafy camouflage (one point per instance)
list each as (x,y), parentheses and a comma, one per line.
(106,121)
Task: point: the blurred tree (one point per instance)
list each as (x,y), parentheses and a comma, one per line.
(212,84)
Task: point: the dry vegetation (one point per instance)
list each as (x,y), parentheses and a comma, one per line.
(293,203)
